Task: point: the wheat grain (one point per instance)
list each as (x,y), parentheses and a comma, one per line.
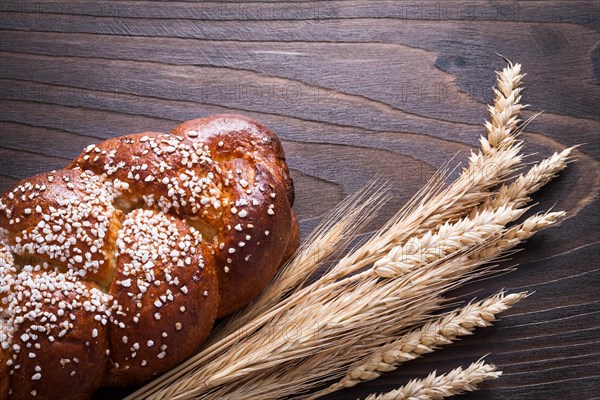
(436,387)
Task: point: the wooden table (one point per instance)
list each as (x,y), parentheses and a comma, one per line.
(356,90)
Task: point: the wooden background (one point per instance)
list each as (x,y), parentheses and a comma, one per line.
(355,89)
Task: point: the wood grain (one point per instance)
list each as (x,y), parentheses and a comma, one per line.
(356,90)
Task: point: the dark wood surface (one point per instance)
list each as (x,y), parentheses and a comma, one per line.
(355,89)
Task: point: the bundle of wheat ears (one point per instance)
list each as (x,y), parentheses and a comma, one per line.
(386,301)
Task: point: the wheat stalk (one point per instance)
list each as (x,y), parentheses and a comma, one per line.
(436,386)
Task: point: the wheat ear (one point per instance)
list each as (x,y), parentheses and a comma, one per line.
(435,386)
(498,156)
(449,238)
(426,339)
(517,192)
(519,233)
(483,221)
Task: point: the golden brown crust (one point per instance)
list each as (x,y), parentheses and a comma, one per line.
(58,348)
(167,305)
(144,239)
(3,374)
(255,231)
(62,218)
(294,241)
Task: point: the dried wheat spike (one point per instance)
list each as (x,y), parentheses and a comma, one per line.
(436,387)
(426,339)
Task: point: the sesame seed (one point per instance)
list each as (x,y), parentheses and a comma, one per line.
(178,326)
(95,333)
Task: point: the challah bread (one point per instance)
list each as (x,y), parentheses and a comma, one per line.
(114,269)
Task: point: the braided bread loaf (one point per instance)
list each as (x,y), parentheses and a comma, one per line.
(114,269)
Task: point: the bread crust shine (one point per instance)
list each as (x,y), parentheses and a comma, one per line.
(114,269)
